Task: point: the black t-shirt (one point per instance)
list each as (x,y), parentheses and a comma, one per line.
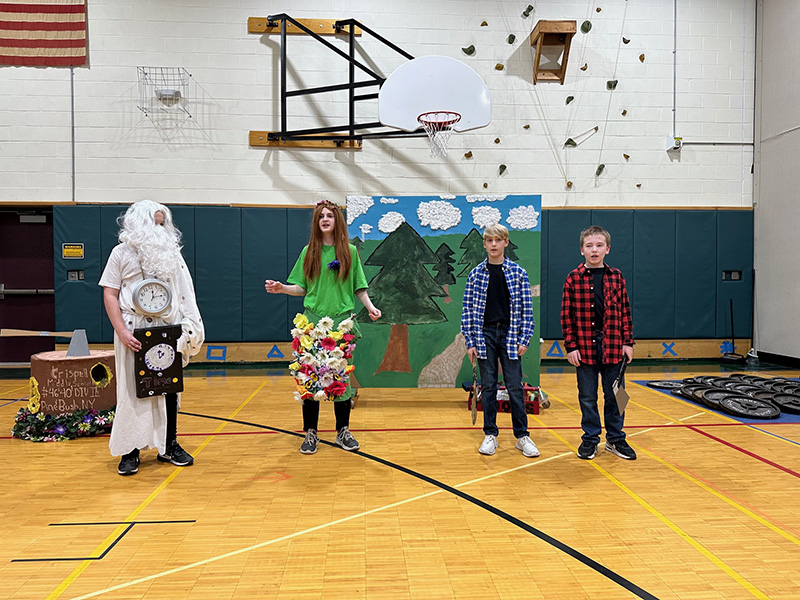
(599,306)
(498,300)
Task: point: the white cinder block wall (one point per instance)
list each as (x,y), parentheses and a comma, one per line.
(122,156)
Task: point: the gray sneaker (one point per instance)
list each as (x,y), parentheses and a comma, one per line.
(346,440)
(309,445)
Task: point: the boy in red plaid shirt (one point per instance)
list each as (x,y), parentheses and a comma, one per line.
(598,337)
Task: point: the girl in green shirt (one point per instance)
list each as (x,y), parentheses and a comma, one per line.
(329,274)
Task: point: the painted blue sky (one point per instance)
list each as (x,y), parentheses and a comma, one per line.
(517,212)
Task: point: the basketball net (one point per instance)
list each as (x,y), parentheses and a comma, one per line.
(439,125)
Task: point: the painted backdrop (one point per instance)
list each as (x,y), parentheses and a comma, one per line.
(417,252)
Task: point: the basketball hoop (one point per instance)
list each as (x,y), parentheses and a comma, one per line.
(439,125)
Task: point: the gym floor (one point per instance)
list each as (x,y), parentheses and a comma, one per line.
(707,511)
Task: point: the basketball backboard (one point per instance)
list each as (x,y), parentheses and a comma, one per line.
(434,83)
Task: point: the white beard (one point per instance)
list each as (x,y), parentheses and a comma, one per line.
(158,252)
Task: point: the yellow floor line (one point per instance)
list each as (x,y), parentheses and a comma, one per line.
(311,529)
(62,587)
(16,389)
(718,562)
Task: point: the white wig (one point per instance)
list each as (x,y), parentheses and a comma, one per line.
(158,247)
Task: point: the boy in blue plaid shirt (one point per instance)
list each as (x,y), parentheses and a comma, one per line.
(497,324)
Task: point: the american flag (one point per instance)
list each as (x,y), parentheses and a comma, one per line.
(43,33)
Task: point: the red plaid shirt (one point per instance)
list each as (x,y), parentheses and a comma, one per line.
(577,315)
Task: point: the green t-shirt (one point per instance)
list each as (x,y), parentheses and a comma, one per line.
(328,295)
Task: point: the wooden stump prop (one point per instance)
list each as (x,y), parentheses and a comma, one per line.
(74,383)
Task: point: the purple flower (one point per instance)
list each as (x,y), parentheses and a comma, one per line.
(334,265)
(87,419)
(60,429)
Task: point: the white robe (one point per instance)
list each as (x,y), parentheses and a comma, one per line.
(142,422)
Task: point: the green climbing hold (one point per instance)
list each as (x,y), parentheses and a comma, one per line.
(612,84)
(570,99)
(527,12)
(469,50)
(600,168)
(511,37)
(502,169)
(570,143)
(586,26)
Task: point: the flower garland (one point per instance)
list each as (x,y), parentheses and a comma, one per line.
(31,424)
(320,366)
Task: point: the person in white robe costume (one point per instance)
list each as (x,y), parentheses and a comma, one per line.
(149,247)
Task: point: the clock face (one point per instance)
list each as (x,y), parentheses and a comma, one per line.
(152,297)
(159,357)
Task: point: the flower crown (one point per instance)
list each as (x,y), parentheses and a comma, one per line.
(327,203)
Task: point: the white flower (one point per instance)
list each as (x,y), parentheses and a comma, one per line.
(346,325)
(320,396)
(325,380)
(297,332)
(325,324)
(336,353)
(317,333)
(339,364)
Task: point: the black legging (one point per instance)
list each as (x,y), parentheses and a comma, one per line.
(311,414)
(172,417)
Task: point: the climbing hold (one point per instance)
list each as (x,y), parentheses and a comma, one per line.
(469,50)
(626,156)
(570,143)
(639,185)
(612,84)
(526,126)
(570,99)
(569,184)
(484,24)
(598,9)
(502,169)
(499,67)
(596,128)
(641,57)
(527,12)
(600,168)
(496,140)
(624,112)
(625,40)
(511,37)
(485,185)
(585,66)
(586,26)
(468,154)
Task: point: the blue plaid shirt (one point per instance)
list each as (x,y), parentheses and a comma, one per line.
(521,325)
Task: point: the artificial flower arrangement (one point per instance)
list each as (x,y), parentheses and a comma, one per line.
(320,358)
(31,424)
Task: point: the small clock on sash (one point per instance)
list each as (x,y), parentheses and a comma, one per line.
(151,297)
(159,365)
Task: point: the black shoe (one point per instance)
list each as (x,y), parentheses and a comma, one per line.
(587,450)
(129,463)
(309,446)
(621,449)
(176,455)
(346,440)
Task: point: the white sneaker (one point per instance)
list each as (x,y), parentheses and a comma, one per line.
(489,445)
(528,448)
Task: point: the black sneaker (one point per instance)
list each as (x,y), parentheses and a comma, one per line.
(309,446)
(346,440)
(176,455)
(621,449)
(587,450)
(129,463)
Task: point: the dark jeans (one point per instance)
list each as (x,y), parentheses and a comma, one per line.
(587,396)
(495,338)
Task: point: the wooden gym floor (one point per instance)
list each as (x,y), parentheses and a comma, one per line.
(707,511)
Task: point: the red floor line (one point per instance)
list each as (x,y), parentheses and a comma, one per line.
(747,452)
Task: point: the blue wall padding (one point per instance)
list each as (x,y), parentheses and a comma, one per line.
(672,261)
(218,263)
(78,303)
(696,273)
(735,252)
(298,231)
(653,304)
(544,308)
(263,257)
(563,255)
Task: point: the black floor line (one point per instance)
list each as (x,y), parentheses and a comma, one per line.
(589,562)
(129,524)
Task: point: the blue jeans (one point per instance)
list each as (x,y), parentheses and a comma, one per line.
(495,338)
(587,397)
